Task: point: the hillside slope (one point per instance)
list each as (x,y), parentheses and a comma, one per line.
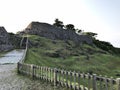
(70,56)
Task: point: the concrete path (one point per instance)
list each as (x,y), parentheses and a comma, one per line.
(11,57)
(9,80)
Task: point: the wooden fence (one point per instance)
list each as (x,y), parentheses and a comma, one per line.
(25,51)
(73,80)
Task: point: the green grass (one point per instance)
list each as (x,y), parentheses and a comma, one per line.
(69,56)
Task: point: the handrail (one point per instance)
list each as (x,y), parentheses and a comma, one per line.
(70,79)
(25,51)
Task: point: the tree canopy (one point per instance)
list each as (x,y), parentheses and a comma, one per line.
(91,34)
(70,26)
(58,23)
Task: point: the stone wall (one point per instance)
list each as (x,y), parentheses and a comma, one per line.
(5,44)
(52,32)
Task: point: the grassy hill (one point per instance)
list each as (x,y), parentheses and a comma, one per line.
(69,56)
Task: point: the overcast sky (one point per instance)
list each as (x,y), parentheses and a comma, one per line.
(98,16)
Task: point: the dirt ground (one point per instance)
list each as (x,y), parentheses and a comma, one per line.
(10,80)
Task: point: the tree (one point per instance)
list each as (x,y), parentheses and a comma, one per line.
(93,35)
(79,31)
(11,33)
(70,26)
(58,23)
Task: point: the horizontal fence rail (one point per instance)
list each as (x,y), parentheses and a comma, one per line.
(73,80)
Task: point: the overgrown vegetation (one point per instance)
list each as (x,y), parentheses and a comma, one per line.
(67,55)
(15,40)
(106,46)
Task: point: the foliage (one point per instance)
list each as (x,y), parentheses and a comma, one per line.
(11,34)
(79,31)
(106,46)
(58,23)
(91,34)
(70,27)
(15,40)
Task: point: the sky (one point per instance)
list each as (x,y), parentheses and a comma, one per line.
(98,16)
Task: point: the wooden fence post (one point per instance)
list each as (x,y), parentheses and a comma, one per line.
(89,81)
(118,83)
(70,80)
(32,69)
(55,76)
(51,75)
(74,76)
(67,79)
(79,88)
(94,82)
(111,83)
(106,83)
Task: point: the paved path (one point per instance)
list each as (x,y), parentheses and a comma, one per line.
(9,80)
(11,57)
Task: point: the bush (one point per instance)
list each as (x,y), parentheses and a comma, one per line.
(106,46)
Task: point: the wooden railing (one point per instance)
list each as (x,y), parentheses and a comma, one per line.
(73,80)
(25,51)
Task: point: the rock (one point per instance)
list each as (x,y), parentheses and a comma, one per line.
(52,32)
(5,44)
